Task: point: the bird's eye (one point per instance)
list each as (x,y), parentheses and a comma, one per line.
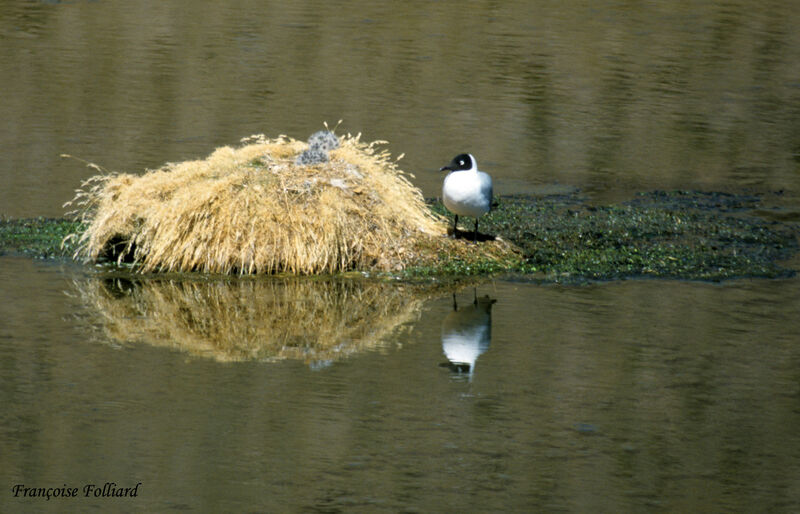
(461,162)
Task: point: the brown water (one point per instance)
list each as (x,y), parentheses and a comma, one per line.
(640,395)
(606,96)
(265,395)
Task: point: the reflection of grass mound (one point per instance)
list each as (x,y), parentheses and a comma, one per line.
(270,319)
(255,210)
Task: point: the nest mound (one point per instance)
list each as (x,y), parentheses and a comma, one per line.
(254,209)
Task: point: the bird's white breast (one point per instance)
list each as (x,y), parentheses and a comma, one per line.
(468,193)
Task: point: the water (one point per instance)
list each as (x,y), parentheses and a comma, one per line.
(609,97)
(275,395)
(613,397)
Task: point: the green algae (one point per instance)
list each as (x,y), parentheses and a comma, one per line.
(562,238)
(37,237)
(678,235)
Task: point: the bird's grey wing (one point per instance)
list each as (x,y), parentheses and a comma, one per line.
(486,186)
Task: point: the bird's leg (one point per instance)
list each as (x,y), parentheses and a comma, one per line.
(455,305)
(475,236)
(455,227)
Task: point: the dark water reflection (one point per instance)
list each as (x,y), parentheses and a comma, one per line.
(638,395)
(606,96)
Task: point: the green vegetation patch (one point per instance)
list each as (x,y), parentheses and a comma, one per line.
(680,235)
(561,238)
(37,237)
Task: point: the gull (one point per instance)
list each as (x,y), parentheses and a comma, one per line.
(466,190)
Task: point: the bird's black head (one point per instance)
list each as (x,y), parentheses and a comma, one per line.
(460,162)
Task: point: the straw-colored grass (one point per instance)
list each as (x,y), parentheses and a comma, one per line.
(252,209)
(262,319)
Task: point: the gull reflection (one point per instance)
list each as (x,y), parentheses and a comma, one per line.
(466,334)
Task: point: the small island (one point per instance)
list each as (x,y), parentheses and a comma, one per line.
(266,208)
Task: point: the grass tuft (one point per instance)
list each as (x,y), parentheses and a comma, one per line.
(252,209)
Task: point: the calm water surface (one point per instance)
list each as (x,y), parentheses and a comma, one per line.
(637,395)
(334,395)
(605,96)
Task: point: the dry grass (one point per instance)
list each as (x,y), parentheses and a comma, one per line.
(253,210)
(263,319)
